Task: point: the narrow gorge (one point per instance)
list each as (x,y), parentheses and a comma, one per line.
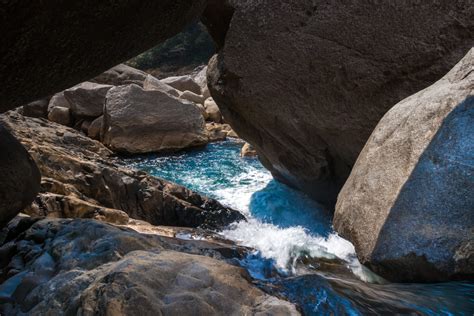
(224,157)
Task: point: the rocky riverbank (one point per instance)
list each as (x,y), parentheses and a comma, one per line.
(81,258)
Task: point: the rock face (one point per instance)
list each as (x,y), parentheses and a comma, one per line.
(183,83)
(20,178)
(75,166)
(139,121)
(213,111)
(87,99)
(152,83)
(37,108)
(100,38)
(64,267)
(60,115)
(305,82)
(408,205)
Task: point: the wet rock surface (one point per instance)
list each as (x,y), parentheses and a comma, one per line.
(408,206)
(306,82)
(84,266)
(74,165)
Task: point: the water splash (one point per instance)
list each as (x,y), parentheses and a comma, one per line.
(297,249)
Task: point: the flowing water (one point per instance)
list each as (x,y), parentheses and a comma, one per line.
(298,255)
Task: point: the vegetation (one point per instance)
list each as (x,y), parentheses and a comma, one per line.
(185,51)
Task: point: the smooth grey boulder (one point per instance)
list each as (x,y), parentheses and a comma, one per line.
(212,110)
(19,177)
(408,205)
(95,128)
(183,83)
(140,121)
(47,47)
(121,75)
(192,97)
(152,83)
(58,100)
(60,115)
(306,82)
(87,98)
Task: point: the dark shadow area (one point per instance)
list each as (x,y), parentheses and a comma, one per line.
(178,55)
(433,215)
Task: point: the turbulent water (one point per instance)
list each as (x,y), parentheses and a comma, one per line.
(298,254)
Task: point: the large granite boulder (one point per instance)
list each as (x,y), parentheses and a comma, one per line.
(183,83)
(152,83)
(75,167)
(140,121)
(305,82)
(48,47)
(84,267)
(87,99)
(408,205)
(19,177)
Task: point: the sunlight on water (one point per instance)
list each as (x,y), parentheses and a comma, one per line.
(282,223)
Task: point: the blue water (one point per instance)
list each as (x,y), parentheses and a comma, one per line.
(297,251)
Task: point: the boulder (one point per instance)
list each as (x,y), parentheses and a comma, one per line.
(217,132)
(248,151)
(199,76)
(33,64)
(121,75)
(19,177)
(87,99)
(203,111)
(60,115)
(152,83)
(95,128)
(192,97)
(58,100)
(37,108)
(305,82)
(78,267)
(183,83)
(74,165)
(408,205)
(139,121)
(213,112)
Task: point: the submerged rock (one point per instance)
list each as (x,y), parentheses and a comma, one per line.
(408,205)
(75,165)
(305,82)
(69,267)
(87,99)
(139,121)
(19,177)
(248,151)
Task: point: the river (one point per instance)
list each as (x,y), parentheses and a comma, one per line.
(298,255)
